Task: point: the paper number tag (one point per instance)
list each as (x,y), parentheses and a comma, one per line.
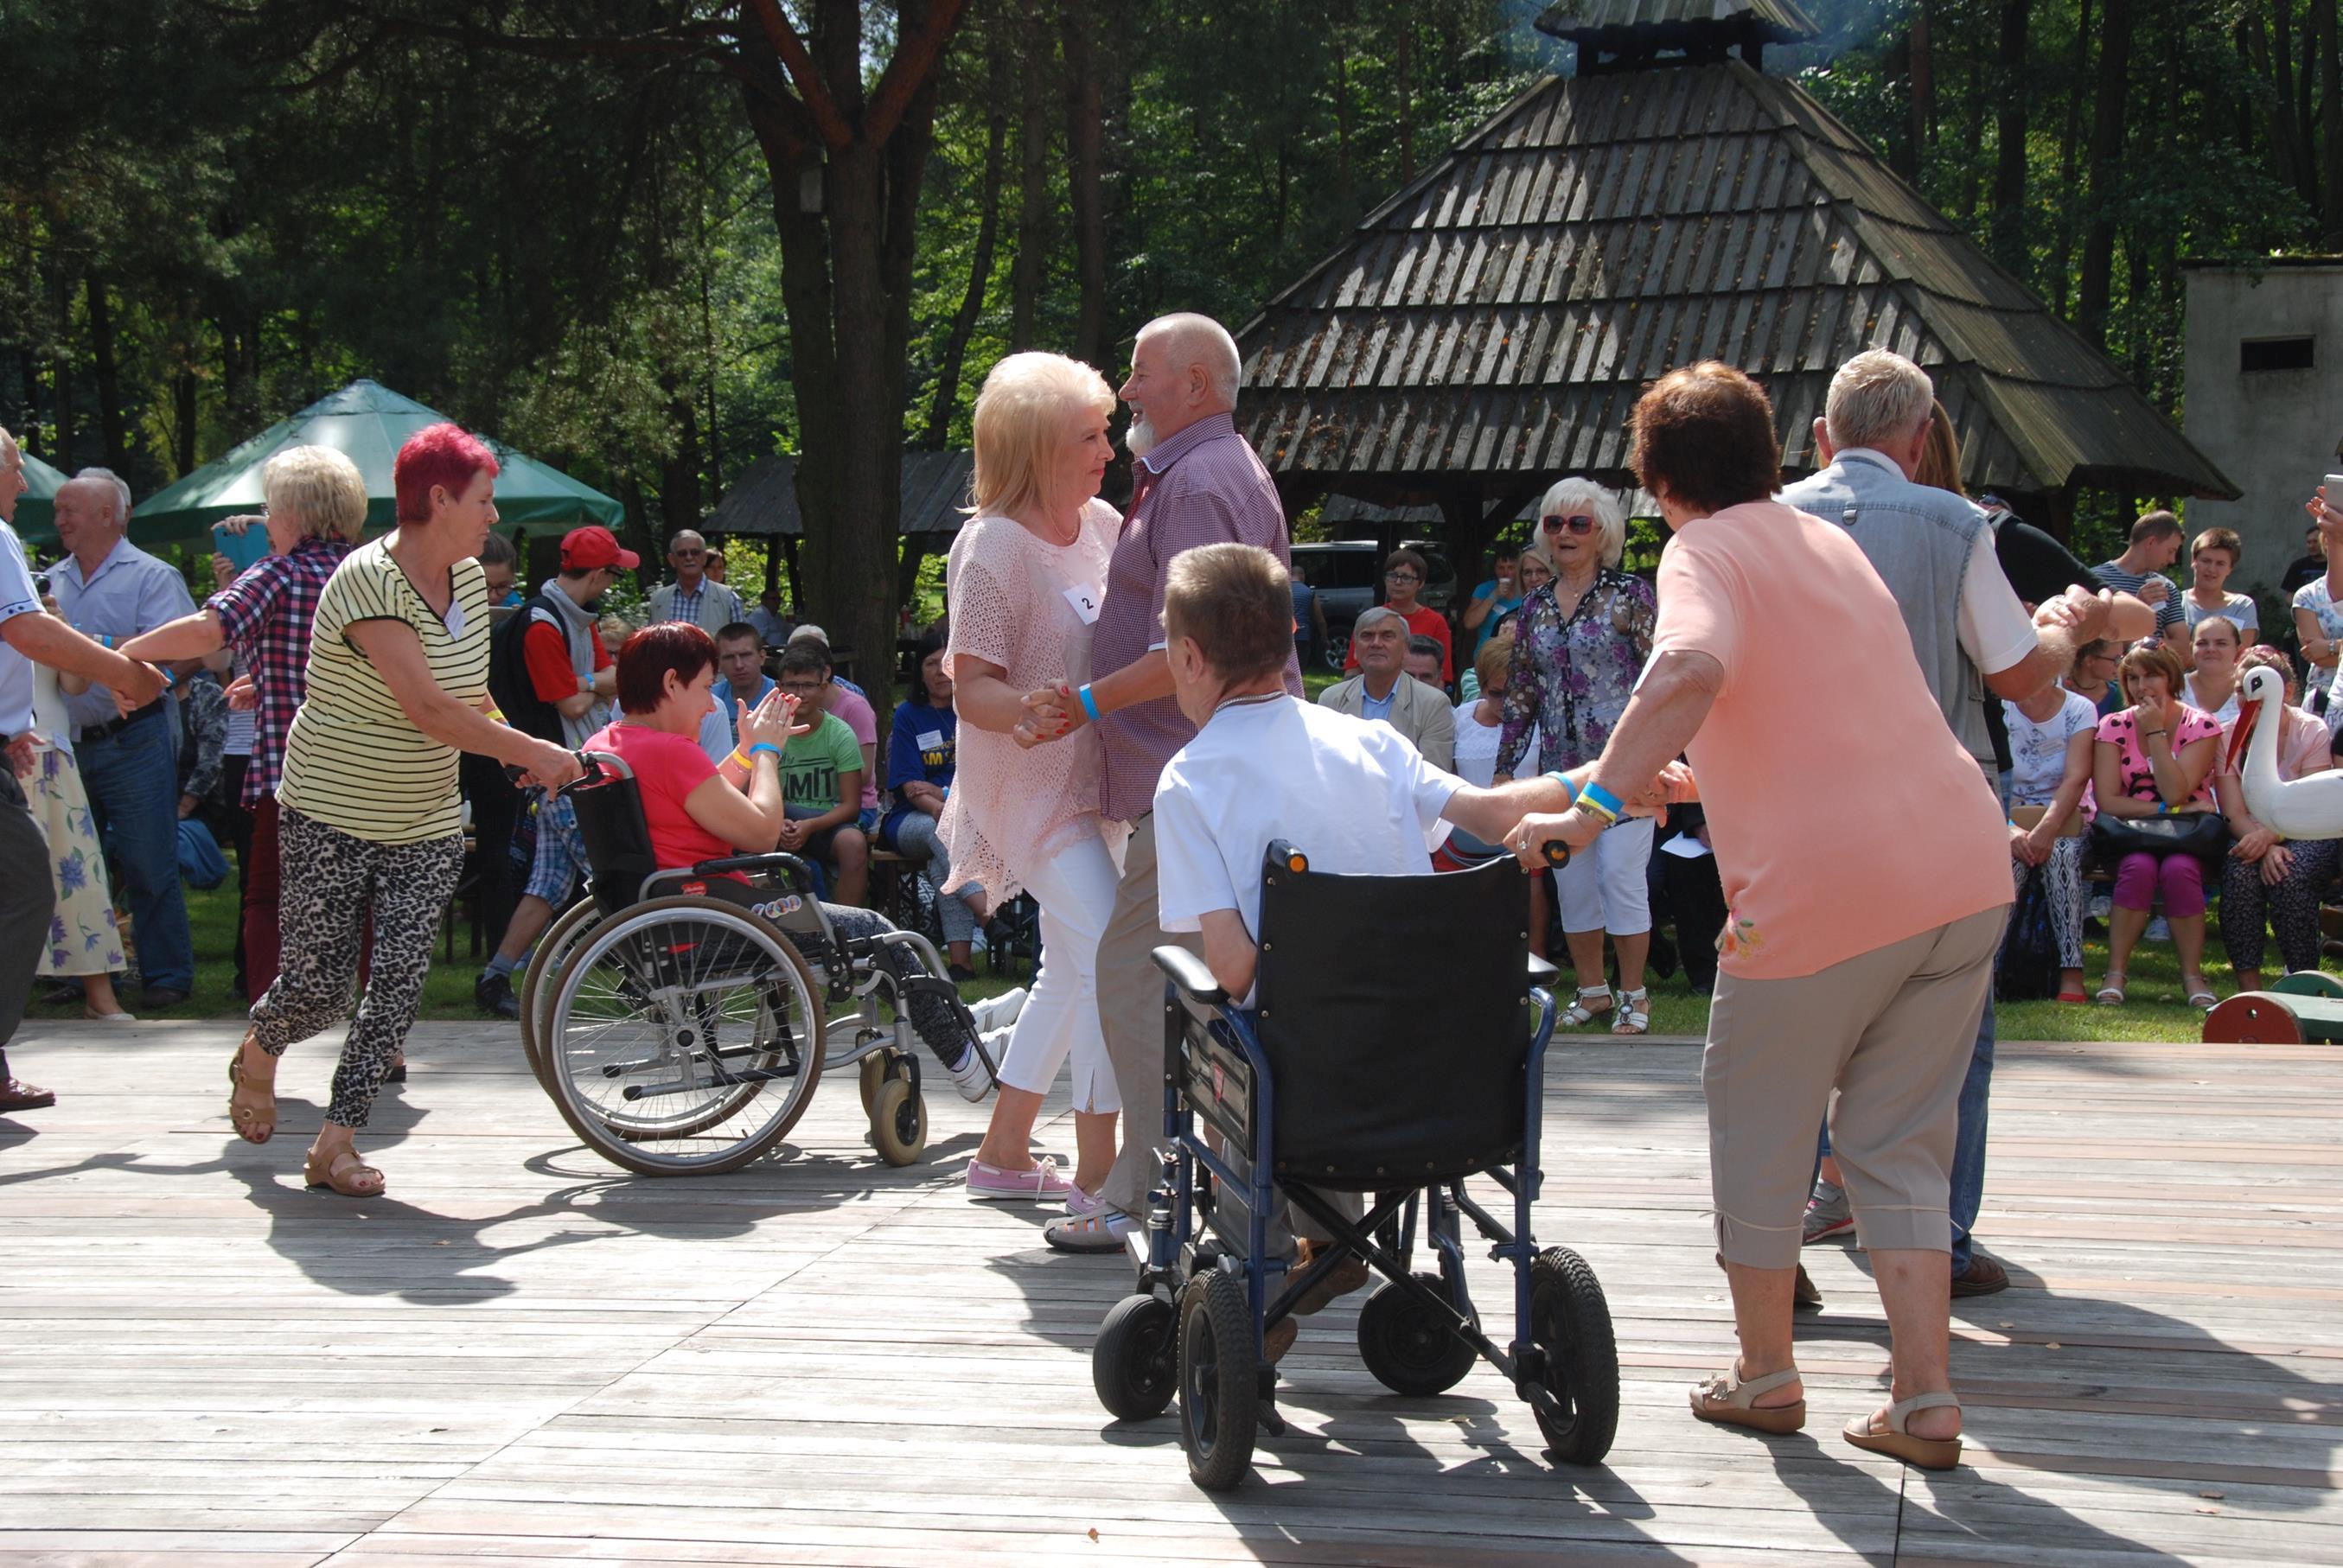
(929,740)
(1085,605)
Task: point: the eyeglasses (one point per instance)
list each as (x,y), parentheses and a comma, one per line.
(687,555)
(1402,576)
(1579,524)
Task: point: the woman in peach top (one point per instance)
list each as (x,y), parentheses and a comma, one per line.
(1025,577)
(1858,947)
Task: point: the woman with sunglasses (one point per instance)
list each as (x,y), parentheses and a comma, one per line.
(1579,644)
(1404,572)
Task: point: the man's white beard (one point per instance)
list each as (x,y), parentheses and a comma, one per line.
(1141,436)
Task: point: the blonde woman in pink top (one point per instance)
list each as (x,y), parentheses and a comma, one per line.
(1025,577)
(1866,866)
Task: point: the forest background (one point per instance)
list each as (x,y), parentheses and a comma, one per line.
(649,241)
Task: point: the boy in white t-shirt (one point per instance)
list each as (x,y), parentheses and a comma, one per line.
(1353,795)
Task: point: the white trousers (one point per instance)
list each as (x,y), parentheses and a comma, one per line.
(1604,887)
(1075,888)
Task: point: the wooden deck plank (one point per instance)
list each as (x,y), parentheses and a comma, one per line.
(524,1355)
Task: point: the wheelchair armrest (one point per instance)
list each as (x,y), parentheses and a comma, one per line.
(1188,972)
(1542,974)
(775,861)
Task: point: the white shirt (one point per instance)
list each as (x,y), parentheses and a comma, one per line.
(1995,632)
(2037,752)
(1477,747)
(1351,794)
(16,597)
(2225,715)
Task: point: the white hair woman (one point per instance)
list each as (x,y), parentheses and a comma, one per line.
(1025,577)
(1579,643)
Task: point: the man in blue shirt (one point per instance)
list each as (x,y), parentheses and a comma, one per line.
(111,590)
(1496,599)
(27,894)
(740,673)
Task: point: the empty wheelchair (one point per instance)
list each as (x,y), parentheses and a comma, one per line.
(1398,1048)
(681,1019)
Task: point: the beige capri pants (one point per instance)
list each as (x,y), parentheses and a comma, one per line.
(1892,1031)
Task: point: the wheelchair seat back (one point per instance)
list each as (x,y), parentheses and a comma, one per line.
(618,838)
(1394,1014)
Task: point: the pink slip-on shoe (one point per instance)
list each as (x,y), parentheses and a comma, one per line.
(991,1184)
(1079,1202)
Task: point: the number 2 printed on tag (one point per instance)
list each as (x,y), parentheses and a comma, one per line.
(1085,603)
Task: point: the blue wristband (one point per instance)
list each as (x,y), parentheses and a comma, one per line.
(1600,799)
(1559,777)
(764,746)
(1090,703)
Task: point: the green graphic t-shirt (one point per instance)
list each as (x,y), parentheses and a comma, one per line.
(810,766)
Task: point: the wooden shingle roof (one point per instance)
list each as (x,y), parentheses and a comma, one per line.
(1496,320)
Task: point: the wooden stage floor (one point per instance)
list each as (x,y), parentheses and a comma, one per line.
(523,1354)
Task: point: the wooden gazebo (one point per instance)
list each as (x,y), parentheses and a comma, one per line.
(1488,329)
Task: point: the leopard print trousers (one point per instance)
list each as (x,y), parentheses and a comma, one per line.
(332,883)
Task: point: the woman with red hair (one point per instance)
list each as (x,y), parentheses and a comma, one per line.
(367,805)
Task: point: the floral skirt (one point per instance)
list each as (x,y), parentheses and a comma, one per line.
(84,938)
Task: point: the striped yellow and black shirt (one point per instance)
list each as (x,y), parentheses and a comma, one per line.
(353,761)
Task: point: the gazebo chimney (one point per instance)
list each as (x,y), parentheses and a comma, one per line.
(1633,35)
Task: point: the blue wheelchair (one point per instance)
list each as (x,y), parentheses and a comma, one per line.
(1344,1080)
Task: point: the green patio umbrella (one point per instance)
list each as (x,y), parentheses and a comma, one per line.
(369,422)
(35,515)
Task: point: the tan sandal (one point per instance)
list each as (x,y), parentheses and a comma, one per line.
(1928,1452)
(344,1173)
(253,1124)
(1728,1401)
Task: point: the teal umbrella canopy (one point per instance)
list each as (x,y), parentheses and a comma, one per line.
(369,422)
(35,513)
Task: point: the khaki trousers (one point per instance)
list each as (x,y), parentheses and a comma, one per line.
(1130,1015)
(1892,1031)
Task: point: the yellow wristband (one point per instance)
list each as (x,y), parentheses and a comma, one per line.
(740,761)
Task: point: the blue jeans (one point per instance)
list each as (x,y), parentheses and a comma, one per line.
(1968,1142)
(133,797)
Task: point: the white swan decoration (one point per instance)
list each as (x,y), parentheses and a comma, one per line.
(2310,808)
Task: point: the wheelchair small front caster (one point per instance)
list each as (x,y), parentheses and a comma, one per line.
(873,1074)
(1220,1397)
(1570,1323)
(1409,1349)
(898,1122)
(1133,1360)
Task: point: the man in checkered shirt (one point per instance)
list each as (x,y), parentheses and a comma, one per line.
(694,596)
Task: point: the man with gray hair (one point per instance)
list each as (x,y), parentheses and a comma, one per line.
(111,590)
(694,596)
(1195,481)
(1934,551)
(1416,708)
(28,638)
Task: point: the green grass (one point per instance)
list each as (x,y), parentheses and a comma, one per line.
(2156,1011)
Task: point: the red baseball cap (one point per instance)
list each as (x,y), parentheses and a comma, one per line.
(583,549)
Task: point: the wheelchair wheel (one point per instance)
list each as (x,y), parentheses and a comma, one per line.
(686,1036)
(873,1074)
(554,952)
(1131,1359)
(1570,1323)
(1408,1349)
(898,1122)
(1220,1397)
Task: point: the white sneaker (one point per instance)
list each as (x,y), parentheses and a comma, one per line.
(998,1011)
(971,1077)
(2158,930)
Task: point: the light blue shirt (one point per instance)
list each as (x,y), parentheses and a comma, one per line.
(1369,709)
(16,597)
(722,692)
(129,593)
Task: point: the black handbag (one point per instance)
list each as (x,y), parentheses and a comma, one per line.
(2203,834)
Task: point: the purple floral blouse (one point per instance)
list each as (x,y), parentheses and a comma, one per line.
(1570,678)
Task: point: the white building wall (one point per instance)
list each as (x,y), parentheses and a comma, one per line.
(2272,432)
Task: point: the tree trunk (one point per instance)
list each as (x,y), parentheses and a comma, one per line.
(1923,88)
(2330,126)
(2010,246)
(1086,180)
(183,421)
(1033,204)
(1345,182)
(680,470)
(61,366)
(1973,142)
(2106,158)
(108,376)
(1406,63)
(2070,136)
(979,266)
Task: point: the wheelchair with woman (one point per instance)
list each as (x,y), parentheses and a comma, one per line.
(682,1013)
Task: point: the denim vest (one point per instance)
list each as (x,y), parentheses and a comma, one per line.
(1918,539)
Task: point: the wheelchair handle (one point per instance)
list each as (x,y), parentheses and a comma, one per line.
(1557,853)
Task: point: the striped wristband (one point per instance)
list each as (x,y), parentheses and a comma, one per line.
(1600,801)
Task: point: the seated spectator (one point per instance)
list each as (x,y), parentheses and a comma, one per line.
(821,778)
(2212,558)
(1374,807)
(697,810)
(2051,737)
(772,623)
(2139,571)
(2092,677)
(1404,573)
(1422,661)
(845,701)
(500,565)
(2156,758)
(2213,684)
(203,757)
(2267,879)
(740,659)
(2308,566)
(1498,597)
(1383,690)
(922,753)
(1479,721)
(2318,614)
(715,565)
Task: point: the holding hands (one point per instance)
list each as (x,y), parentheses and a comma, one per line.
(1578,827)
(1052,713)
